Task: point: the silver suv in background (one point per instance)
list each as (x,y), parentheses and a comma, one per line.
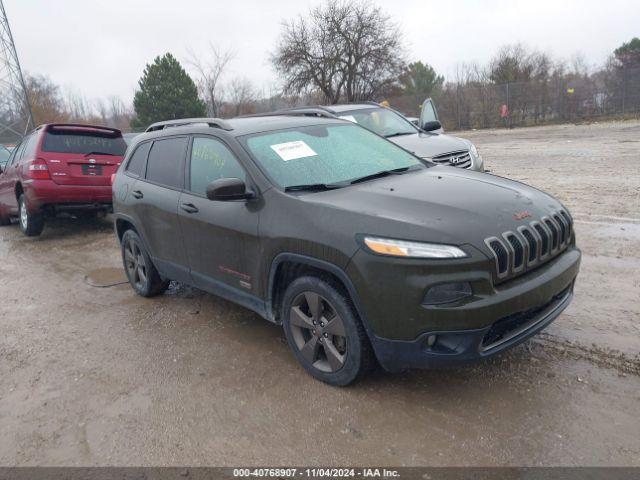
(425,142)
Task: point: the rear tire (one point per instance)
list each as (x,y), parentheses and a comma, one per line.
(142,274)
(31,224)
(325,333)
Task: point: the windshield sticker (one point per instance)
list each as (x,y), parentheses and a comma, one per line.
(351,118)
(293,150)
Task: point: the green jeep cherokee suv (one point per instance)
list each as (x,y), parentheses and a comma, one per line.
(361,251)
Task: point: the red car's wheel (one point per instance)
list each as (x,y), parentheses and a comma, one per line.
(31,224)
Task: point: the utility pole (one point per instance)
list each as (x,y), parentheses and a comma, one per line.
(16,118)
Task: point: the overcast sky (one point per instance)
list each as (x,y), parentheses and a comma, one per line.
(100,47)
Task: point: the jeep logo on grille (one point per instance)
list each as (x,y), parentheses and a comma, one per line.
(521,215)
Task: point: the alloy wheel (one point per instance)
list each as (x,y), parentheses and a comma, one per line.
(135,263)
(24,216)
(318,332)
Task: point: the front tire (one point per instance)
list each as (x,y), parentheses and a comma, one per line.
(325,333)
(142,274)
(31,224)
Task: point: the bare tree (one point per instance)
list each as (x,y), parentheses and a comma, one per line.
(46,100)
(102,110)
(119,114)
(343,49)
(210,71)
(241,94)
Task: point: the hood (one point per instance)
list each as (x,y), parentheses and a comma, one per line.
(430,144)
(438,204)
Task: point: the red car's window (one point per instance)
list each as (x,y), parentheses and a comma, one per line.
(65,141)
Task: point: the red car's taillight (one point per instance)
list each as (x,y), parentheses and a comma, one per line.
(38,170)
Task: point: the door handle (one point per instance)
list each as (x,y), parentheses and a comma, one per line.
(137,194)
(189,208)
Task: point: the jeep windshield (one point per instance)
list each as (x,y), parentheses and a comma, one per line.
(381,121)
(322,157)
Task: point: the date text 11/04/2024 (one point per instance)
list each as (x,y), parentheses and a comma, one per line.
(316,472)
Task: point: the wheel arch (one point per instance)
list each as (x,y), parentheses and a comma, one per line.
(18,190)
(286,267)
(122,225)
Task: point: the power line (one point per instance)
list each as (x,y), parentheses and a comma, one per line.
(16,117)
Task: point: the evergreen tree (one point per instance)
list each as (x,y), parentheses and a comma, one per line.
(166,92)
(420,78)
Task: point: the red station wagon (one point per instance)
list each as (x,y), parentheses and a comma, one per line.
(59,168)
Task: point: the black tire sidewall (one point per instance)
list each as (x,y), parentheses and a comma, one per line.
(353,366)
(147,289)
(35,221)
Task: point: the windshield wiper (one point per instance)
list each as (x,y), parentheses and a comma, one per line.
(99,153)
(380,174)
(398,134)
(312,187)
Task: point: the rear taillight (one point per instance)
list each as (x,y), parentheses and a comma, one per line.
(38,170)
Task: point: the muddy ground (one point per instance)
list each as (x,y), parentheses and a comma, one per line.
(99,376)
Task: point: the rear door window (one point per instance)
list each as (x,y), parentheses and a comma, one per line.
(31,144)
(166,162)
(211,160)
(83,142)
(138,161)
(18,156)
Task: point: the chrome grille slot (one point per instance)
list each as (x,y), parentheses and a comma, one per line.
(517,251)
(544,238)
(555,234)
(532,244)
(563,228)
(501,255)
(460,159)
(567,219)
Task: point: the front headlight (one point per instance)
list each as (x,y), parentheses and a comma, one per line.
(403,248)
(475,156)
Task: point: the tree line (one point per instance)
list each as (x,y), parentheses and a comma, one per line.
(349,51)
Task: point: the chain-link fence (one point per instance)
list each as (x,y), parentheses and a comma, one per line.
(555,100)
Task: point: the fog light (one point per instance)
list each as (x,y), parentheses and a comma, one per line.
(447,293)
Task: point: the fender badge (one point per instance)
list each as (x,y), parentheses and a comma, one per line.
(521,215)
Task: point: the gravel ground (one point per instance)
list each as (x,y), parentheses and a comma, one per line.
(99,376)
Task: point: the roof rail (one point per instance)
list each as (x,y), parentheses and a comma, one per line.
(296,111)
(181,122)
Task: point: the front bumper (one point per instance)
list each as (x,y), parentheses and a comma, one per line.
(494,318)
(465,346)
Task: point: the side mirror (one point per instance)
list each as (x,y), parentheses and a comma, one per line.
(225,189)
(431,126)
